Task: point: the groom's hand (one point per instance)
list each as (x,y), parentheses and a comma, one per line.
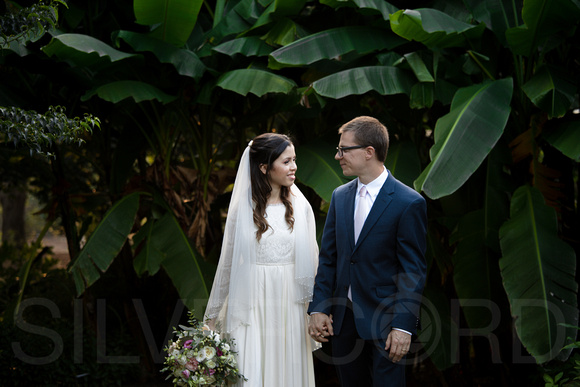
(320,327)
(399,343)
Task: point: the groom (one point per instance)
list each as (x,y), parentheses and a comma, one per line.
(371,272)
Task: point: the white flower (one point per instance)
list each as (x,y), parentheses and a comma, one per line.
(225,347)
(211,364)
(200,356)
(209,352)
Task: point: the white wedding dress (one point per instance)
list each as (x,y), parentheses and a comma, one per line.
(274,350)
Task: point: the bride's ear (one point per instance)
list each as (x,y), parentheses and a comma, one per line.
(263,168)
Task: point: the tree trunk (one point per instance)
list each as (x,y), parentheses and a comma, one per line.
(13,224)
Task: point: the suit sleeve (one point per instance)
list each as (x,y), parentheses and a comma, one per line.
(411,246)
(324,283)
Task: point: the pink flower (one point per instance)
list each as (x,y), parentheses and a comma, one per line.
(191,364)
(187,344)
(219,352)
(185,374)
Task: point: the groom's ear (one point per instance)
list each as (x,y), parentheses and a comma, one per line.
(263,168)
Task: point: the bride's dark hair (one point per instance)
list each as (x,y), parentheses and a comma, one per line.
(265,149)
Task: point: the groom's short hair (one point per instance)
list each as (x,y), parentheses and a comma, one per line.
(369,131)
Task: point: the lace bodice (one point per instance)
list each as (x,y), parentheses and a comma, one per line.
(277,244)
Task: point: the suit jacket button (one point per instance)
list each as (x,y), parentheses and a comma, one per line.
(352,262)
(346,288)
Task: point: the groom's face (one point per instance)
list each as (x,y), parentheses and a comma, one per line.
(352,161)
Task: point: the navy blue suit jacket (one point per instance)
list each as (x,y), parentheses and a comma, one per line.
(386,267)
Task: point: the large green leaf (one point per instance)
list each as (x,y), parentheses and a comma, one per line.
(385,80)
(438,331)
(172,20)
(118,91)
(403,161)
(148,257)
(433,28)
(465,135)
(248,46)
(566,138)
(332,44)
(83,50)
(283,32)
(498,15)
(538,270)
(543,19)
(366,6)
(105,242)
(277,9)
(180,262)
(474,269)
(552,90)
(236,20)
(419,67)
(258,82)
(185,61)
(318,169)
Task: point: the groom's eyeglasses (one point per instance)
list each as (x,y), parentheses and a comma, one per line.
(341,149)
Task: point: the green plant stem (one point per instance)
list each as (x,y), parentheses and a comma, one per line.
(31,260)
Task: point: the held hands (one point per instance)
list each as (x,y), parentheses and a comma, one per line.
(399,343)
(320,327)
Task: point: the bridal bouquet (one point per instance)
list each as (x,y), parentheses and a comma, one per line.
(200,357)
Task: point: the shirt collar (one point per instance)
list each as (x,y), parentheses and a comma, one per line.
(374,186)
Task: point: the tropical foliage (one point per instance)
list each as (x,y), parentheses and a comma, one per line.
(480,98)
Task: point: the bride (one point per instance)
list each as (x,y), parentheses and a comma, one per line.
(266,270)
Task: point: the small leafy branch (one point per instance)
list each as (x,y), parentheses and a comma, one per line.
(28,23)
(567,373)
(41,131)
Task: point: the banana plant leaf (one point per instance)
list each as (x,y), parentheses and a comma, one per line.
(180,262)
(118,91)
(433,28)
(318,169)
(277,9)
(543,19)
(538,271)
(380,6)
(551,90)
(185,61)
(422,95)
(438,331)
(283,32)
(465,136)
(148,256)
(247,46)
(403,161)
(258,82)
(475,269)
(419,67)
(385,80)
(105,242)
(495,14)
(566,138)
(82,50)
(234,21)
(173,20)
(332,44)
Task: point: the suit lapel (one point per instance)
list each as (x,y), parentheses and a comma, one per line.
(379,206)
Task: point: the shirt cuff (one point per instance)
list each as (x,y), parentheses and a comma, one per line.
(402,330)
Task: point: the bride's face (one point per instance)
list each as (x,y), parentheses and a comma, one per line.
(283,171)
